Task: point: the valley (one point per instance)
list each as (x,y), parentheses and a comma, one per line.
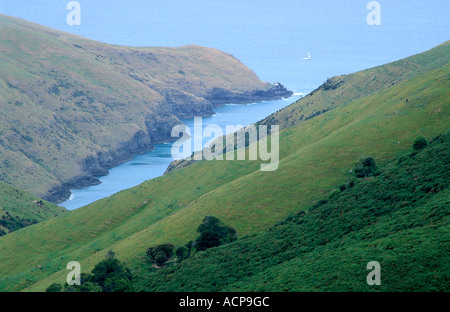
(73,107)
(377,112)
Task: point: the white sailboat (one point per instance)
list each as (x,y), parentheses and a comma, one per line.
(307,58)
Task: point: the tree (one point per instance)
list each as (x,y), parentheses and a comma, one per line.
(214,233)
(111,275)
(90,287)
(365,167)
(118,283)
(160,254)
(182,253)
(420,143)
(71,288)
(55,287)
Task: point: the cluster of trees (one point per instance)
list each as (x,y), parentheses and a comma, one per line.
(109,275)
(395,217)
(213,233)
(360,210)
(9,223)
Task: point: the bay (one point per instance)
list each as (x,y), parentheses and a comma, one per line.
(270,37)
(155,162)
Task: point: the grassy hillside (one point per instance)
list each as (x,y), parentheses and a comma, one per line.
(399,218)
(315,157)
(340,90)
(71,107)
(19,209)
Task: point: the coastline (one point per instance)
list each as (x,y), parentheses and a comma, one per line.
(98,166)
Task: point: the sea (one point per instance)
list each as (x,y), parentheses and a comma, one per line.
(298,43)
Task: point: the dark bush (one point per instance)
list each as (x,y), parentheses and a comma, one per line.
(109,275)
(90,287)
(112,276)
(214,233)
(420,143)
(160,254)
(55,287)
(365,167)
(182,253)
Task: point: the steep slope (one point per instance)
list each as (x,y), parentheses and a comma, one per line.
(340,90)
(18,209)
(399,218)
(315,157)
(72,107)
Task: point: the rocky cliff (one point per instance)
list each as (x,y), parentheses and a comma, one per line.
(71,107)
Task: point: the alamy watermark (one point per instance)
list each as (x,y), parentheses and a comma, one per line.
(374,276)
(374,16)
(74,16)
(74,276)
(230,147)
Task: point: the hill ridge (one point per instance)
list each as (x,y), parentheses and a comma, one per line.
(73,107)
(313,163)
(271,260)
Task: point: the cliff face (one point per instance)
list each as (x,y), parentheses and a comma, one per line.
(72,107)
(219,96)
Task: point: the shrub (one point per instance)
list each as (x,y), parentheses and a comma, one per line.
(109,275)
(118,283)
(365,167)
(182,253)
(160,254)
(55,287)
(112,276)
(214,233)
(420,143)
(90,287)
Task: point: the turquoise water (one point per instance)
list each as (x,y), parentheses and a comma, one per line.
(154,163)
(270,37)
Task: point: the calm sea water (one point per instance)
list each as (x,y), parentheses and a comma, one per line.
(270,37)
(154,163)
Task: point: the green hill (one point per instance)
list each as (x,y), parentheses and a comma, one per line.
(70,107)
(340,90)
(399,218)
(315,157)
(19,209)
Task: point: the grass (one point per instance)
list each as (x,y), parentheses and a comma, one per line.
(315,157)
(19,208)
(69,99)
(340,90)
(398,218)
